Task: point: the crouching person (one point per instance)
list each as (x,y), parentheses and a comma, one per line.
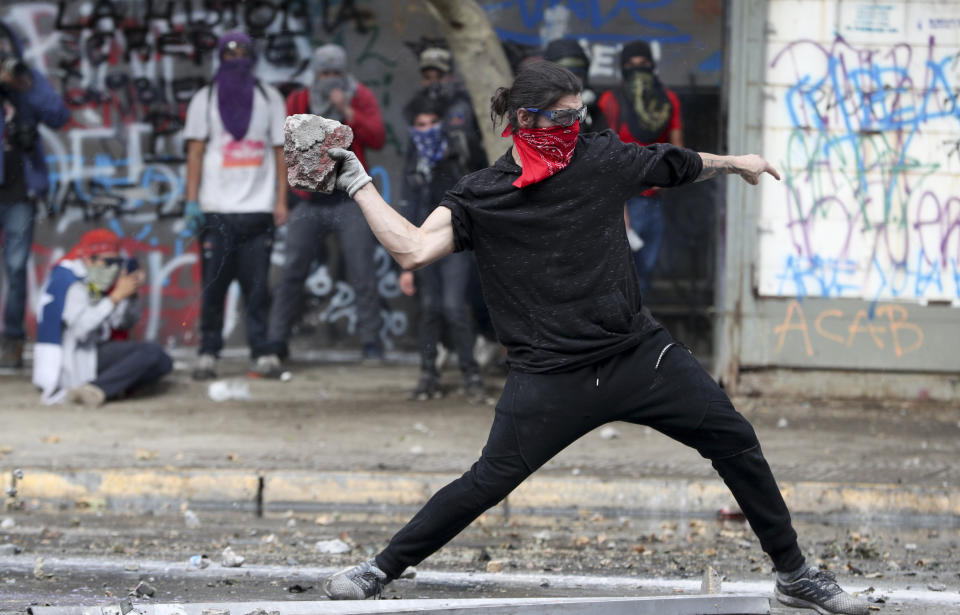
(86,305)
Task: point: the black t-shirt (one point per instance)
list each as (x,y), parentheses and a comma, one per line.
(555,266)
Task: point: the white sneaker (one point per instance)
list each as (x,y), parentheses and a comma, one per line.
(88,395)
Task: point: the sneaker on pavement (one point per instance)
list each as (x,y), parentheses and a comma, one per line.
(268,366)
(205,368)
(11,353)
(818,590)
(372,354)
(473,388)
(88,395)
(357,583)
(427,388)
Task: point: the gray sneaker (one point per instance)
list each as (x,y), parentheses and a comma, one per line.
(206,367)
(357,583)
(268,366)
(818,590)
(474,390)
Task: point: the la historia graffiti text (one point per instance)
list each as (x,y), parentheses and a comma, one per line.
(868,193)
(887,328)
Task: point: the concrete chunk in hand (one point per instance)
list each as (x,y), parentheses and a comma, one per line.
(307,138)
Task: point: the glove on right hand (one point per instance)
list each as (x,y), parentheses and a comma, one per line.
(193,216)
(352,175)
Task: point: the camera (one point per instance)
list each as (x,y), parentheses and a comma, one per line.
(22,135)
(12,65)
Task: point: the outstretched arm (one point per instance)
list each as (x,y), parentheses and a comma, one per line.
(749,167)
(411,246)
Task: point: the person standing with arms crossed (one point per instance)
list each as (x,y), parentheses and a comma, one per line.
(546,224)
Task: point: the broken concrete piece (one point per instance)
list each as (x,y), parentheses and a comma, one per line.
(334,546)
(307,138)
(230,559)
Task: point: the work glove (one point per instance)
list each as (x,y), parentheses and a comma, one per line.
(193,216)
(351,176)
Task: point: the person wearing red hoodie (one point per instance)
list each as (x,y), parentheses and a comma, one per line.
(334,94)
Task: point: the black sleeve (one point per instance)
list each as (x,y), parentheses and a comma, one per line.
(456,201)
(660,165)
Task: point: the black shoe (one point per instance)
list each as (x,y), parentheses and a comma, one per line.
(372,354)
(427,388)
(818,590)
(11,353)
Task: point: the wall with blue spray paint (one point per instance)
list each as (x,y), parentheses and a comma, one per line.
(857,250)
(129,67)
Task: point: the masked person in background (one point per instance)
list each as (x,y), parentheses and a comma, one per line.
(434,164)
(26,100)
(236,193)
(439,82)
(336,95)
(645,112)
(570,55)
(91,295)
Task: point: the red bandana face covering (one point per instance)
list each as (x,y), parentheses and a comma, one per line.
(543,151)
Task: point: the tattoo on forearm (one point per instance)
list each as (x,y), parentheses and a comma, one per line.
(712,167)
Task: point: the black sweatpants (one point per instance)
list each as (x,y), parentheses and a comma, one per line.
(538,415)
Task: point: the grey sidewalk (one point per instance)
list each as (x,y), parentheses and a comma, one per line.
(345,435)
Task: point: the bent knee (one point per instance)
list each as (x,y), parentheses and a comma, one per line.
(725,432)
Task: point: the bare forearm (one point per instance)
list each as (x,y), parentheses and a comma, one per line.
(194,166)
(750,167)
(714,166)
(281,177)
(400,238)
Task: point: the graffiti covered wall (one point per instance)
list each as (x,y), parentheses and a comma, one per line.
(863,117)
(128,69)
(851,261)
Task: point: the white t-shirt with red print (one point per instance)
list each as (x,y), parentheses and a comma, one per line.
(238,177)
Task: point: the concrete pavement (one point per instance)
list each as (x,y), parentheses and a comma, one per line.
(344,436)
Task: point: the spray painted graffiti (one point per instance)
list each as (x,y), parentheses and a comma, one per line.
(682,39)
(888,328)
(866,135)
(127,71)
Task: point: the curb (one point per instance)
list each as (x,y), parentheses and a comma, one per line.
(614,584)
(113,487)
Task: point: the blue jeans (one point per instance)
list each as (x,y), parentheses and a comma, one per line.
(646,220)
(16,221)
(307,228)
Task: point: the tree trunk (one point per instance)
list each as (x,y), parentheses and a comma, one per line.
(481,60)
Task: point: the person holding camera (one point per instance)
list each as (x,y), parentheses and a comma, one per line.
(86,307)
(26,100)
